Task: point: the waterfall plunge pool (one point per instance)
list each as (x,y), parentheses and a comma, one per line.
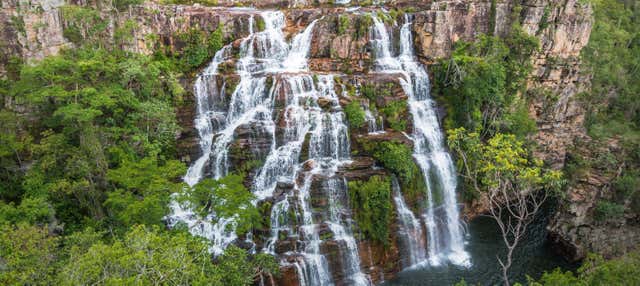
(532,257)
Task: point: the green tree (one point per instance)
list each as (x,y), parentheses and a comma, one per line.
(145,256)
(28,255)
(144,190)
(92,110)
(483,82)
(234,268)
(596,271)
(148,256)
(515,186)
(371,202)
(355,114)
(14,148)
(226,198)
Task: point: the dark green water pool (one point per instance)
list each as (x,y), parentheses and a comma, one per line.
(533,257)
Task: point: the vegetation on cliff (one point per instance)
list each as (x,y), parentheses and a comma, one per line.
(355,114)
(613,105)
(88,153)
(371,202)
(224,197)
(597,271)
(87,150)
(483,83)
(483,86)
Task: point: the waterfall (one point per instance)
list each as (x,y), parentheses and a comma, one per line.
(411,232)
(266,58)
(216,120)
(374,122)
(328,149)
(445,232)
(311,123)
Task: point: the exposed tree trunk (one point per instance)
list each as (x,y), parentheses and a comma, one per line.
(513,209)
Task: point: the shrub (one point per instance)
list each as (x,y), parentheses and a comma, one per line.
(343,24)
(395,112)
(608,210)
(355,114)
(371,203)
(368,91)
(260,24)
(362,25)
(227,198)
(627,184)
(396,157)
(199,47)
(595,270)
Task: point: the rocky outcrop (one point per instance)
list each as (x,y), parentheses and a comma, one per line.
(579,227)
(563,30)
(30,30)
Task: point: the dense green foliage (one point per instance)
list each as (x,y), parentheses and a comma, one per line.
(596,271)
(613,54)
(606,210)
(343,24)
(355,114)
(368,91)
(83,25)
(87,153)
(28,255)
(613,104)
(96,115)
(396,113)
(143,256)
(502,161)
(371,202)
(398,158)
(482,84)
(199,47)
(224,197)
(166,258)
(362,24)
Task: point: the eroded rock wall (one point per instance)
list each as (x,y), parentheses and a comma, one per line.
(578,228)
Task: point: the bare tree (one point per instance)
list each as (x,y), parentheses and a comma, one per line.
(513,210)
(515,186)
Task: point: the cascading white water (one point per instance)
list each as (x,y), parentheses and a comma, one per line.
(328,149)
(261,52)
(210,117)
(263,55)
(445,240)
(410,229)
(342,232)
(374,124)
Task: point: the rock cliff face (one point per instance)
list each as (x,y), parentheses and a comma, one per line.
(35,29)
(577,228)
